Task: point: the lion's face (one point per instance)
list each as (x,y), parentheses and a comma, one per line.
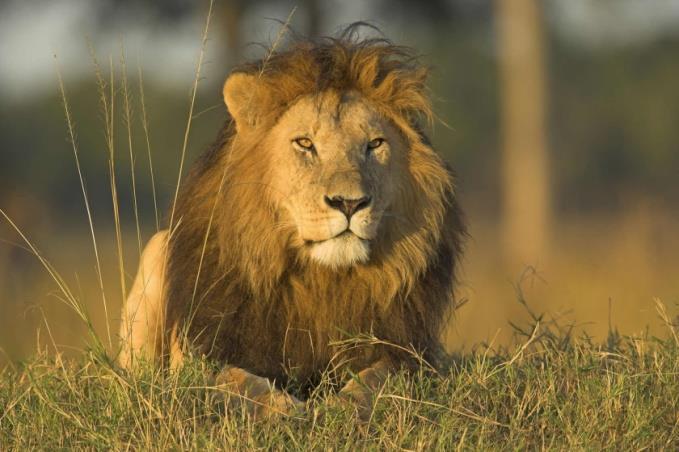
(334,165)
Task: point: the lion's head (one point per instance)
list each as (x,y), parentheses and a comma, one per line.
(334,129)
(334,165)
(322,205)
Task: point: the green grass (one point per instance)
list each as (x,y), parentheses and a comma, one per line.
(552,392)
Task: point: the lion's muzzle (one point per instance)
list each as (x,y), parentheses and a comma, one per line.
(347,206)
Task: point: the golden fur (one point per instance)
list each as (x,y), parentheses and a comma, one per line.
(241,284)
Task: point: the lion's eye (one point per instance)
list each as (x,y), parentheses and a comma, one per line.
(304,143)
(374,144)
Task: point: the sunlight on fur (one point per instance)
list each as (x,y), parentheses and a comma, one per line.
(342,251)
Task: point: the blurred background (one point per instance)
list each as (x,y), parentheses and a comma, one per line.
(561,118)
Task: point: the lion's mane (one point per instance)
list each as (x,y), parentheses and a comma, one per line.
(236,286)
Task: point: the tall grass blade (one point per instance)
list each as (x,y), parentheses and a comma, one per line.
(194,91)
(127,116)
(145,126)
(71,133)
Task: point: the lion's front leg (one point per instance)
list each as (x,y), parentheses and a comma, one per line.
(257,394)
(361,389)
(143,313)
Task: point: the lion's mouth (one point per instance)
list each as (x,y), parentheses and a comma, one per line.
(343,250)
(347,234)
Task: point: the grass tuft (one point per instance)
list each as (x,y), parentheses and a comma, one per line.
(576,396)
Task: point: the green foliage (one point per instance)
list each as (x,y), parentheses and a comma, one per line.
(556,394)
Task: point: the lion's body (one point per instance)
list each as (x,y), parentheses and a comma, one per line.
(286,324)
(261,273)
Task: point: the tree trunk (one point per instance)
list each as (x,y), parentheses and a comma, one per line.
(229,17)
(313,17)
(525,160)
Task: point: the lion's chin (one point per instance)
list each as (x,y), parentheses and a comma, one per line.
(344,250)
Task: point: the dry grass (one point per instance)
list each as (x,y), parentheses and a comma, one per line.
(551,392)
(603,273)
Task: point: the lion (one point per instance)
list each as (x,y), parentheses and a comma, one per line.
(321,212)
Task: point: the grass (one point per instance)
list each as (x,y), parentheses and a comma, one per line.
(551,392)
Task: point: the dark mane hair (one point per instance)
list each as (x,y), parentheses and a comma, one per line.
(391,76)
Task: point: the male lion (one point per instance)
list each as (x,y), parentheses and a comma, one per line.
(321,212)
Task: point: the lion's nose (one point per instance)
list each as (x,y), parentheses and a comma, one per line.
(348,206)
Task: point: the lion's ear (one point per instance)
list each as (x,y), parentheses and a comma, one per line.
(243,96)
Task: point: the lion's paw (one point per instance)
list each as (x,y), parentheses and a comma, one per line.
(358,405)
(274,404)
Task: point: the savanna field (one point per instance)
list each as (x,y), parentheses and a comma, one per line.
(575,350)
(554,391)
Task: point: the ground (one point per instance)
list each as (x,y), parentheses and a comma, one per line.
(550,391)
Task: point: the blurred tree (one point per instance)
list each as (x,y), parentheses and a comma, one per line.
(428,11)
(229,15)
(314,17)
(229,18)
(525,161)
(167,10)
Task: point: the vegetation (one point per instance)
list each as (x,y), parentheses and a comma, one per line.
(613,175)
(553,391)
